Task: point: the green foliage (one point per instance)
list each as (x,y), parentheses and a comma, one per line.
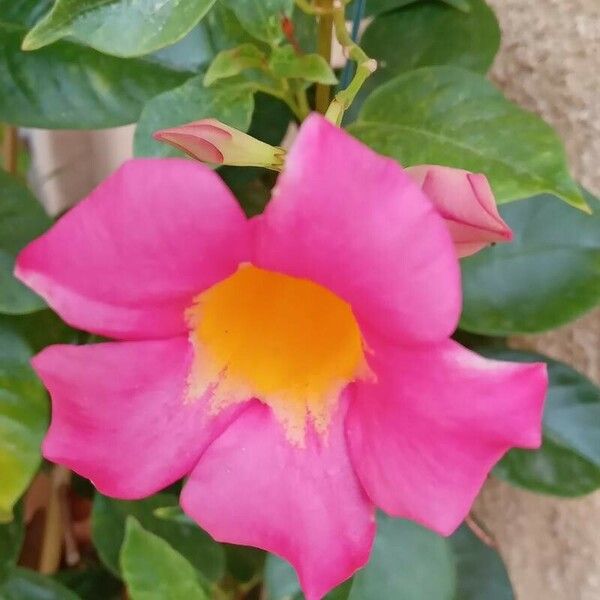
(548,275)
(23,420)
(376,7)
(21,219)
(409,562)
(11,539)
(229,63)
(153,570)
(262,18)
(108,530)
(448,116)
(118,27)
(310,67)
(568,463)
(230,102)
(23,584)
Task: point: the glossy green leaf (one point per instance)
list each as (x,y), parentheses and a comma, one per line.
(448,116)
(568,463)
(11,540)
(548,275)
(108,530)
(225,29)
(23,584)
(22,219)
(119,27)
(229,63)
(69,86)
(23,420)
(431,33)
(285,62)
(262,18)
(153,570)
(408,562)
(228,101)
(376,7)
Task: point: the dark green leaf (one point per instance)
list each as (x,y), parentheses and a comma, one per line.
(376,7)
(568,463)
(244,563)
(448,116)
(119,27)
(21,220)
(108,530)
(230,102)
(68,86)
(91,583)
(548,275)
(153,570)
(23,584)
(261,18)
(23,421)
(11,539)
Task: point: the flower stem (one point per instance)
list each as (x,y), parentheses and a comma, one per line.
(324,49)
(10,149)
(365,66)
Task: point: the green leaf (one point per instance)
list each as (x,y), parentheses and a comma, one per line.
(548,275)
(262,18)
(229,102)
(153,570)
(285,62)
(229,63)
(23,421)
(431,33)
(448,116)
(11,540)
(118,27)
(23,584)
(68,86)
(568,463)
(92,582)
(22,219)
(376,7)
(108,530)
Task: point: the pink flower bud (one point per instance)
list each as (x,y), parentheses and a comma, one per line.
(467,203)
(214,142)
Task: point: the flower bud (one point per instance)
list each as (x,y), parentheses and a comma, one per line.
(214,142)
(466,202)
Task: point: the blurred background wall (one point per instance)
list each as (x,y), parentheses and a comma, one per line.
(549,63)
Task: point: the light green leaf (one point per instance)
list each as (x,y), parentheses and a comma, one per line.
(228,101)
(68,86)
(376,7)
(568,463)
(119,27)
(229,63)
(448,116)
(153,570)
(408,562)
(23,419)
(548,275)
(262,18)
(23,584)
(285,62)
(108,530)
(22,219)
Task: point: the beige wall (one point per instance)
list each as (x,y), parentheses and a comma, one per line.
(549,63)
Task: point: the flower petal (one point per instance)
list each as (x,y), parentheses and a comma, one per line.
(424,437)
(253,487)
(127,261)
(356,223)
(119,415)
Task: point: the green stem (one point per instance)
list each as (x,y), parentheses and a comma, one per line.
(324,49)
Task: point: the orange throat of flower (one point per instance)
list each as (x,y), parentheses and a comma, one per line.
(289,342)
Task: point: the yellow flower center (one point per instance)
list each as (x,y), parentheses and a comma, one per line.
(289,342)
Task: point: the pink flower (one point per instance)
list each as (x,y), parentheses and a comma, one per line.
(467,203)
(295,366)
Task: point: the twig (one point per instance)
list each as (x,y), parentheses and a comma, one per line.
(480,532)
(10,149)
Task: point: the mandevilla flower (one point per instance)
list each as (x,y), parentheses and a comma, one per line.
(296,367)
(214,142)
(468,206)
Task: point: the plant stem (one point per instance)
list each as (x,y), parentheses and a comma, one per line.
(10,149)
(365,66)
(324,49)
(52,545)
